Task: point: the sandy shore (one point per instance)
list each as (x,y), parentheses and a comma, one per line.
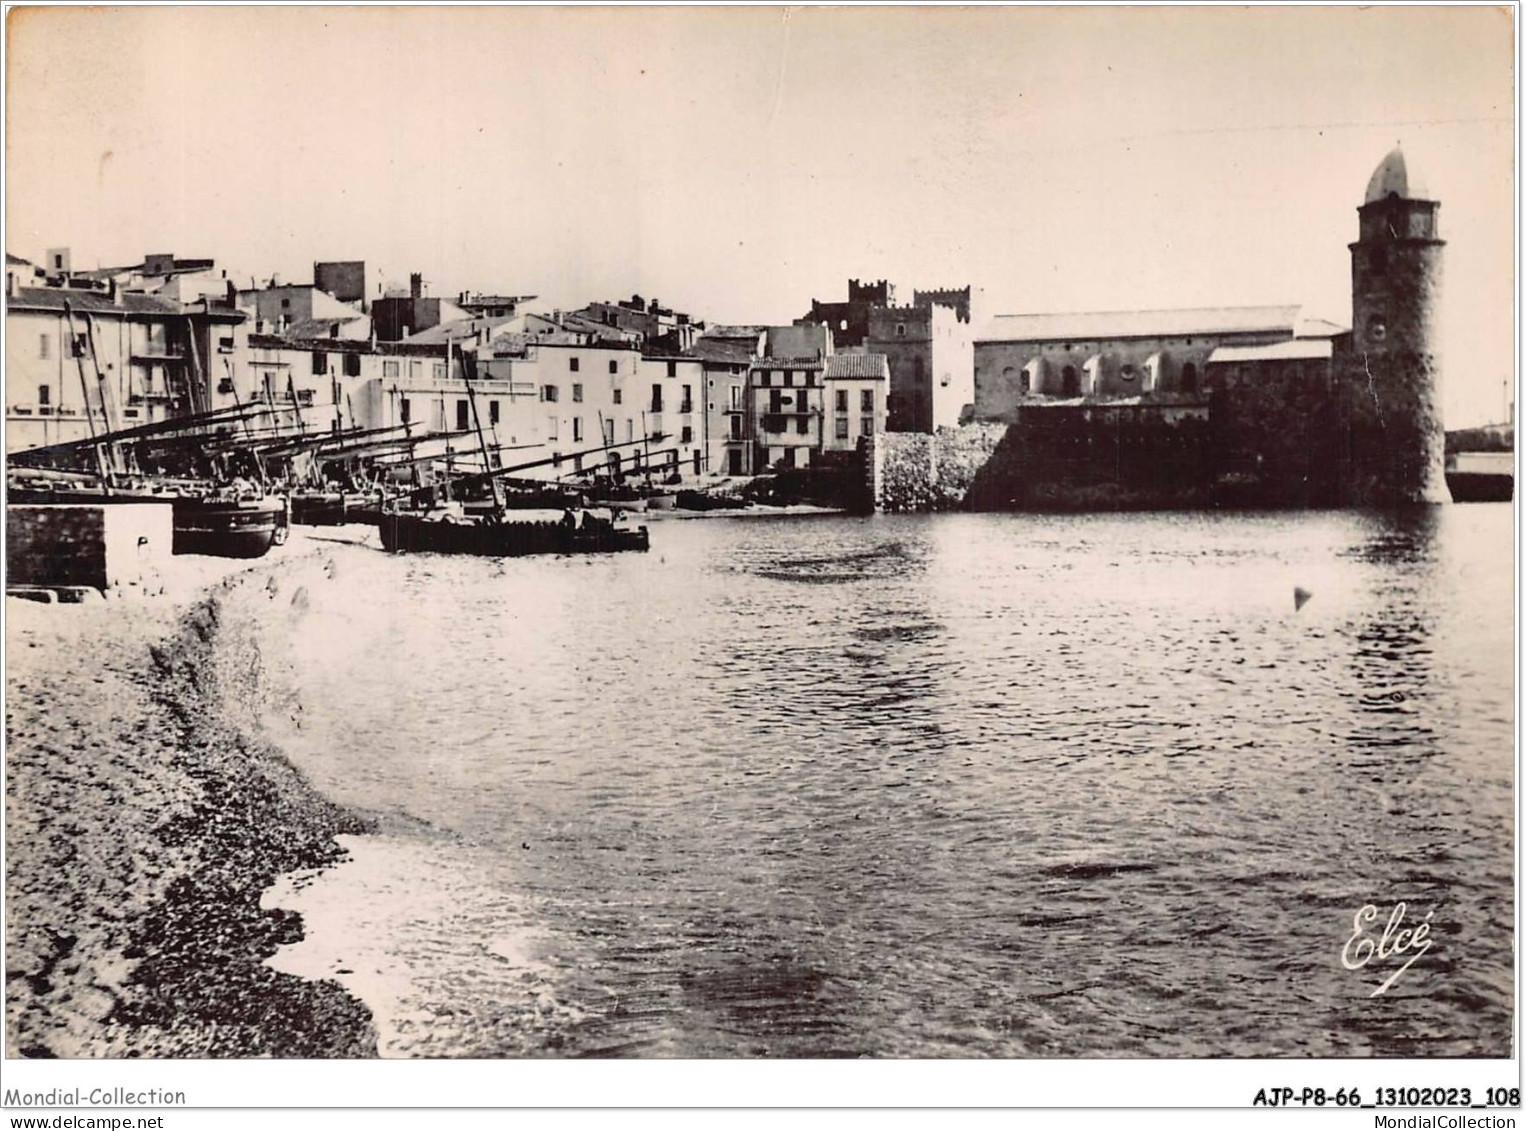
(143,825)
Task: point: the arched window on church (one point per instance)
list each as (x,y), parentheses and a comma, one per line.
(1188,378)
(1071,382)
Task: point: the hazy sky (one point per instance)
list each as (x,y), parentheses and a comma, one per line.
(736,162)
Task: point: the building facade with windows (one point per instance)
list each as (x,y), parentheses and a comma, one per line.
(82,360)
(674,389)
(856,398)
(302,310)
(726,355)
(786,403)
(599,407)
(353,384)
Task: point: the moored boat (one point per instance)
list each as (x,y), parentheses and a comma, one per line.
(217,523)
(317,508)
(231,528)
(1481,477)
(508,534)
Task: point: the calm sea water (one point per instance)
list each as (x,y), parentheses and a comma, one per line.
(965,785)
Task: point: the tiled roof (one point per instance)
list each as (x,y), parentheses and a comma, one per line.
(317,327)
(786,363)
(658,355)
(1089,326)
(1295,349)
(101,274)
(857,365)
(345,345)
(461,328)
(96,302)
(728,350)
(585,325)
(493,300)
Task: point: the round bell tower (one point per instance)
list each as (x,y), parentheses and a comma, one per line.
(1392,374)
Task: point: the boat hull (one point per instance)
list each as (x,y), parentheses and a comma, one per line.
(317,508)
(1480,486)
(216,528)
(229,530)
(406,533)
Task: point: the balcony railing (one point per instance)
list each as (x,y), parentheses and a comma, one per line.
(685,407)
(778,422)
(158,351)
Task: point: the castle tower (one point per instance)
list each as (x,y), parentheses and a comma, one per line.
(1391,372)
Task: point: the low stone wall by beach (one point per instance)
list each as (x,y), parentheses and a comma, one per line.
(922,472)
(143,824)
(1081,460)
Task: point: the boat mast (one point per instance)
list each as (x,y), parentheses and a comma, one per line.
(471,397)
(646,445)
(119,456)
(259,460)
(195,385)
(296,405)
(84,388)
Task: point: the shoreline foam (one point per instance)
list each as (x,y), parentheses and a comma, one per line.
(145,823)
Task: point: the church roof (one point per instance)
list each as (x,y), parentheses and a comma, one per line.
(1319,328)
(1091,326)
(1298,349)
(1391,178)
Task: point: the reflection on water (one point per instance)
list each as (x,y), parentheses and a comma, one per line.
(923,786)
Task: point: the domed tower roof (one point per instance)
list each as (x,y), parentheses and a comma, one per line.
(1391,178)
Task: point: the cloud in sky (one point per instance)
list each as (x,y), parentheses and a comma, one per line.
(738,162)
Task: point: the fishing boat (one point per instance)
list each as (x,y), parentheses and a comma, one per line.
(1480,477)
(192,462)
(448,527)
(226,522)
(512,533)
(236,527)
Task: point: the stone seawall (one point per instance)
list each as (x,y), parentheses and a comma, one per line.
(88,545)
(1071,460)
(920,472)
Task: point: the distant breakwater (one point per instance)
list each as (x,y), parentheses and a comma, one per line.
(139,930)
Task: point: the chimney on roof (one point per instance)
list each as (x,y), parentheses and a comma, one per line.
(415,285)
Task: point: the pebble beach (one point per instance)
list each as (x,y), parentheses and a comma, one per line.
(144,819)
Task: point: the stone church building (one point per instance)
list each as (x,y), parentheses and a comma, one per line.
(1352,415)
